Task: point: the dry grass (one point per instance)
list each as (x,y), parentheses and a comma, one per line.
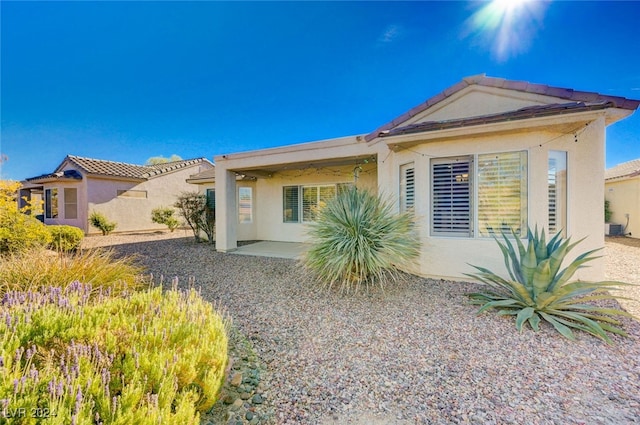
(42,268)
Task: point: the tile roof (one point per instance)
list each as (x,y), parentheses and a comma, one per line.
(626,169)
(60,175)
(522,86)
(519,114)
(102,167)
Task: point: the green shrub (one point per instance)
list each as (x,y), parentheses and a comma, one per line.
(198,214)
(18,231)
(539,288)
(607,211)
(149,358)
(358,239)
(101,222)
(38,269)
(65,238)
(165,216)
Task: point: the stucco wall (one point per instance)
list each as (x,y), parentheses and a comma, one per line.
(624,198)
(134,214)
(449,256)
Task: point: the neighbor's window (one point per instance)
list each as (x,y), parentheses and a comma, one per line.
(557,183)
(245,205)
(211,199)
(141,194)
(301,203)
(502,193)
(407,187)
(51,203)
(451,196)
(500,184)
(70,203)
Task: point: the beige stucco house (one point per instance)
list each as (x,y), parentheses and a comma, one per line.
(622,190)
(484,155)
(124,193)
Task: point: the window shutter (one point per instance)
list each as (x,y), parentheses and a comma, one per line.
(407,187)
(451,197)
(502,193)
(290,203)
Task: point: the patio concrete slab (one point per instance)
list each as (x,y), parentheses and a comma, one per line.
(275,249)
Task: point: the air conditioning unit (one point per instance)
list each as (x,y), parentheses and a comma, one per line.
(613,229)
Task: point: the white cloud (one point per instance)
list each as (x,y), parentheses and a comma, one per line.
(390,34)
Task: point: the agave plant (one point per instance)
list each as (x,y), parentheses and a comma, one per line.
(539,288)
(358,239)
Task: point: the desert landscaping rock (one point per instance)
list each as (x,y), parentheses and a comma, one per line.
(416,354)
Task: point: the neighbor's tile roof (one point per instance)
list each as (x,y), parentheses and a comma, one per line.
(626,169)
(101,167)
(519,114)
(121,169)
(522,86)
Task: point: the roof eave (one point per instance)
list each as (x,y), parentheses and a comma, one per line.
(579,119)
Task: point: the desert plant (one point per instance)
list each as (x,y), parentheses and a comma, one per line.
(81,357)
(18,231)
(38,269)
(162,215)
(65,238)
(193,207)
(99,221)
(358,239)
(538,288)
(607,211)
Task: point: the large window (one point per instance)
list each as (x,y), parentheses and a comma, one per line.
(451,196)
(502,193)
(70,203)
(407,187)
(51,203)
(245,205)
(302,203)
(498,182)
(557,185)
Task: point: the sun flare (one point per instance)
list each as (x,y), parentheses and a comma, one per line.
(508,25)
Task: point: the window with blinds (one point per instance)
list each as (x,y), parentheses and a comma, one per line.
(502,193)
(407,187)
(70,203)
(557,189)
(301,203)
(451,197)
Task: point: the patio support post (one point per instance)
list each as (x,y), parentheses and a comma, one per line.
(226,211)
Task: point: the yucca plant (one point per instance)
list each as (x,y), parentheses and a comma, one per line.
(539,288)
(358,239)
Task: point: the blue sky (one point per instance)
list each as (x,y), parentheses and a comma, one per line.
(126,81)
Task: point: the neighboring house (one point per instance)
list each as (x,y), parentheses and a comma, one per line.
(622,190)
(484,155)
(124,193)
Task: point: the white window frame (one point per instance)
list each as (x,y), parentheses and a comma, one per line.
(473,231)
(407,187)
(245,217)
(300,191)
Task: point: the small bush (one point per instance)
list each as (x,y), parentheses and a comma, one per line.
(18,231)
(65,238)
(165,216)
(193,207)
(38,269)
(150,358)
(358,239)
(538,288)
(98,220)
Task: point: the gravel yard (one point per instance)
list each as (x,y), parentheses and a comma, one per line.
(415,354)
